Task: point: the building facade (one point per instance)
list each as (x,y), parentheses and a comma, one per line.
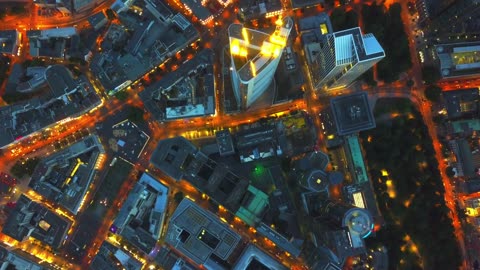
(343,57)
(254,59)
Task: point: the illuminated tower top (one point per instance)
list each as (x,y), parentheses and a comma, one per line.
(254,58)
(253,50)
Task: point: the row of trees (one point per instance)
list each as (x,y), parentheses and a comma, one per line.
(416,212)
(387,26)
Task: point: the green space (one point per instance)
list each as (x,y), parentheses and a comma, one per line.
(387,27)
(110,187)
(135,114)
(342,19)
(24,167)
(410,192)
(4,66)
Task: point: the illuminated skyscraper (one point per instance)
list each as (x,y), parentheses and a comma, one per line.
(343,57)
(254,58)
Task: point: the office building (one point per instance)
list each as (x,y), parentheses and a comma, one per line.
(458,60)
(352,113)
(17,260)
(110,257)
(10,41)
(254,59)
(254,258)
(31,219)
(201,236)
(342,57)
(350,225)
(140,220)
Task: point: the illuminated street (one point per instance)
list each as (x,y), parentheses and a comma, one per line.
(252,53)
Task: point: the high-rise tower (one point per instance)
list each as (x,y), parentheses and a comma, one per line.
(343,57)
(254,59)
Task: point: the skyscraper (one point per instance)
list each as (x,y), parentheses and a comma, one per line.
(344,56)
(254,59)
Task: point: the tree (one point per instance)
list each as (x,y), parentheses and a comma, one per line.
(449,171)
(110,14)
(24,167)
(122,95)
(430,74)
(178,197)
(433,93)
(135,114)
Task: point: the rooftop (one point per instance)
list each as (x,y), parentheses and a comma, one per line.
(252,9)
(352,113)
(109,258)
(252,51)
(180,159)
(365,47)
(459,59)
(198,10)
(140,220)
(461,102)
(14,259)
(314,27)
(9,41)
(199,234)
(186,92)
(224,142)
(64,177)
(29,218)
(251,253)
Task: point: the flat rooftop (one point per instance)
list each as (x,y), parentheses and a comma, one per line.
(189,91)
(252,253)
(366,46)
(48,227)
(180,159)
(64,177)
(140,220)
(198,234)
(110,257)
(352,113)
(459,59)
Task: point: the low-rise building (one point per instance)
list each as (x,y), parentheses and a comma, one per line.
(31,219)
(17,260)
(68,98)
(186,92)
(110,257)
(200,235)
(10,41)
(141,218)
(98,20)
(65,176)
(254,258)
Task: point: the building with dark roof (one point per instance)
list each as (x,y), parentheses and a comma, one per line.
(50,42)
(296,4)
(141,218)
(198,10)
(225,142)
(31,219)
(65,176)
(168,259)
(255,9)
(292,246)
(462,103)
(9,41)
(67,99)
(254,258)
(154,38)
(200,235)
(18,260)
(312,29)
(186,92)
(466,164)
(110,257)
(180,159)
(350,225)
(352,113)
(97,20)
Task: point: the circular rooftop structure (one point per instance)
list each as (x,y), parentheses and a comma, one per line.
(359,221)
(317,180)
(335,177)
